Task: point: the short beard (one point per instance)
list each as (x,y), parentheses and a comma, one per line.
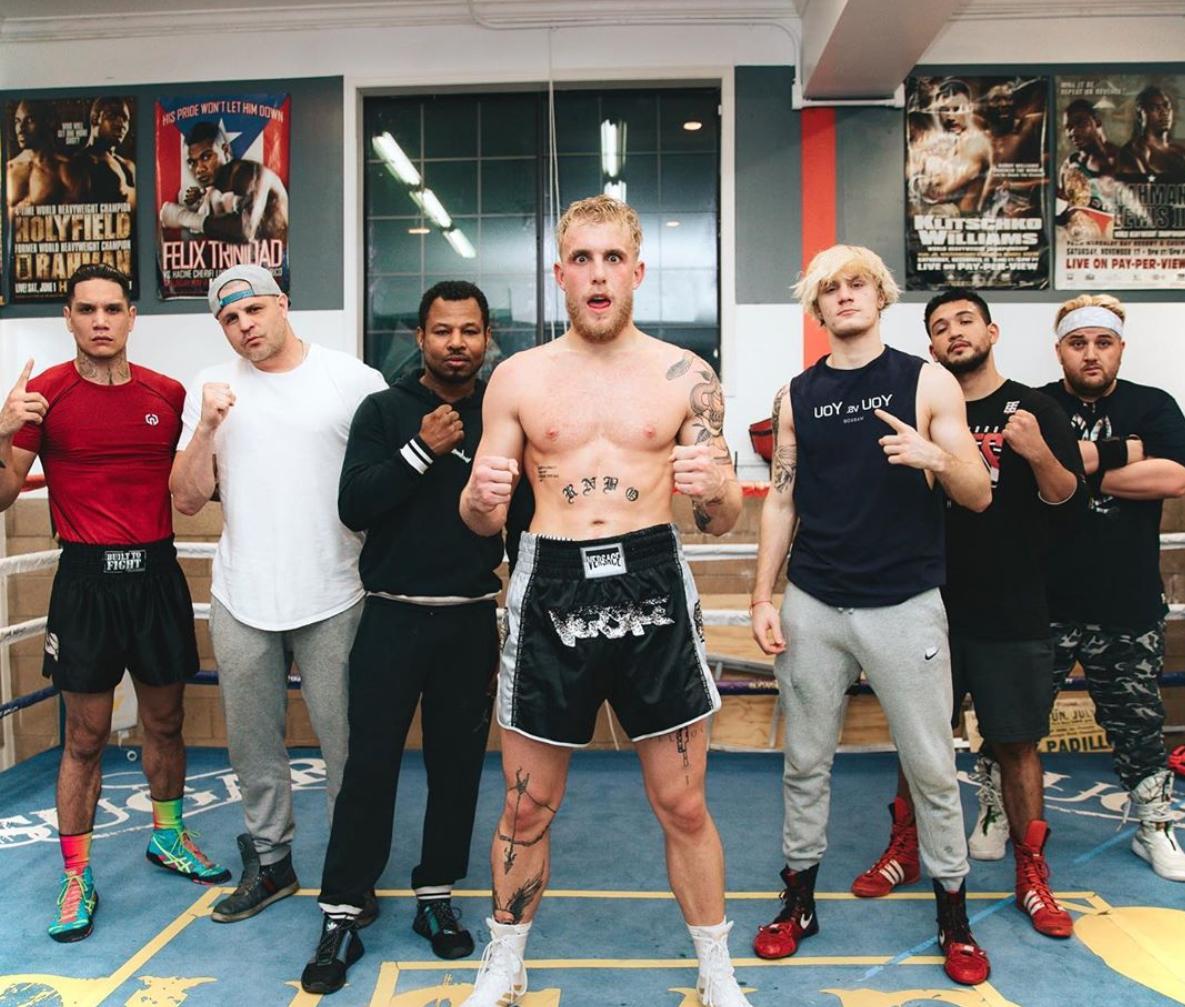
(1091,391)
(970,364)
(611,326)
(451,377)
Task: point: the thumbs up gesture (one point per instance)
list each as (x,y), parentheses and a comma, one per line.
(22,406)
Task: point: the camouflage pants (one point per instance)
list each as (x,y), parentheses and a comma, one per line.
(1122,670)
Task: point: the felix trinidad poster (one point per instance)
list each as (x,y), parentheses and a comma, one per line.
(221,188)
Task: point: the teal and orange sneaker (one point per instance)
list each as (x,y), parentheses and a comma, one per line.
(176,851)
(77,904)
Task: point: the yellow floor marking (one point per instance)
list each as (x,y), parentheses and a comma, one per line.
(384,989)
(200,907)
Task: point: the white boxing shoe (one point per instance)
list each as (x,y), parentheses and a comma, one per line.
(989,838)
(716,985)
(1155,841)
(502,979)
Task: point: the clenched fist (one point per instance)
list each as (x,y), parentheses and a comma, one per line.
(22,406)
(442,430)
(696,473)
(1023,434)
(492,481)
(217,399)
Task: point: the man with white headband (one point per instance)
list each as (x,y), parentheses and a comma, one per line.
(1106,597)
(267,432)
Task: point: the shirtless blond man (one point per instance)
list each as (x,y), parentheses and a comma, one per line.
(603,422)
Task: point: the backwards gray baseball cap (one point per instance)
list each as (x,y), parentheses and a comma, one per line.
(259,283)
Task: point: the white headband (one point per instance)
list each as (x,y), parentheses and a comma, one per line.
(1091,315)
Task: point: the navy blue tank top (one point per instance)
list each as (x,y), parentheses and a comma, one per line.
(869,533)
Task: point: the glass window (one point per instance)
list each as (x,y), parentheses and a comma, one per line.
(456,187)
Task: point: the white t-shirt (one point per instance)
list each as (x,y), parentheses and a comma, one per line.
(284,559)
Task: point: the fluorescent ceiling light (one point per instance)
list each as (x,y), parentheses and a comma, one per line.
(434,209)
(616,190)
(397,162)
(612,148)
(461,245)
(419,230)
(672,223)
(691,125)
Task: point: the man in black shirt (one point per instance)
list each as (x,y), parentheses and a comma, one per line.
(995,595)
(428,633)
(1106,597)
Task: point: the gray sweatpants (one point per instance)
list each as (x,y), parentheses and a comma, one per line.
(904,653)
(253,681)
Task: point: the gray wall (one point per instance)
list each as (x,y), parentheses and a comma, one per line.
(314,184)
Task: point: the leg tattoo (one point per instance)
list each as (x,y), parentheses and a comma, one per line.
(521,782)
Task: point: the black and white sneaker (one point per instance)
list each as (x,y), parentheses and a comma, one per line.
(338,948)
(440,922)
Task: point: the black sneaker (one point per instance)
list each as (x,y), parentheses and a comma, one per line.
(370,910)
(338,948)
(440,923)
(259,886)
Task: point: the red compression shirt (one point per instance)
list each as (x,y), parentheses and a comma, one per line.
(107,451)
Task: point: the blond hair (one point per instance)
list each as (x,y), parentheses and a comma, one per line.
(600,210)
(1112,304)
(844,261)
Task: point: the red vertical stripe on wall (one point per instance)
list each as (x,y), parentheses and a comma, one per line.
(818,208)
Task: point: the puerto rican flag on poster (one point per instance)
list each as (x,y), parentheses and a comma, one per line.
(221,188)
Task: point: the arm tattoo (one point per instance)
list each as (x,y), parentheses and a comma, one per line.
(707,407)
(785,460)
(679,368)
(699,510)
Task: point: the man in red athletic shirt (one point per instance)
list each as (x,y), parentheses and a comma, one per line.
(119,598)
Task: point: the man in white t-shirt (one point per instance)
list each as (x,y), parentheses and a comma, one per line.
(267,433)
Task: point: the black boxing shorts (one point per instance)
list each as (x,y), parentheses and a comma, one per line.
(614,619)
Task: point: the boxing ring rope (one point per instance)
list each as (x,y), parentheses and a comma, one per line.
(695,553)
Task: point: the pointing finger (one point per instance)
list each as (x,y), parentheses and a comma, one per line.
(900,426)
(24,378)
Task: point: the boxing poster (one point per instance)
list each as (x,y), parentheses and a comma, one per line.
(1120,208)
(975,183)
(71,191)
(221,188)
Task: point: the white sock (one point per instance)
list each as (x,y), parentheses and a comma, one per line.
(430,893)
(951,885)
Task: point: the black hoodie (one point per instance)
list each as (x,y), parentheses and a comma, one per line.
(406,499)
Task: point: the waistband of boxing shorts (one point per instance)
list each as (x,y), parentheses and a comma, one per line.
(84,559)
(614,555)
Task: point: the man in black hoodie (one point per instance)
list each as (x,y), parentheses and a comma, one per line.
(428,632)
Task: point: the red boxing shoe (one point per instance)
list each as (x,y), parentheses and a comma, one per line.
(898,865)
(1177,760)
(966,962)
(780,939)
(1032,884)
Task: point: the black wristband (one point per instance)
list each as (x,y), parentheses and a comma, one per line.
(1112,454)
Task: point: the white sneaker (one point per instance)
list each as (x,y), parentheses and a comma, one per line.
(990,836)
(1154,841)
(716,985)
(502,979)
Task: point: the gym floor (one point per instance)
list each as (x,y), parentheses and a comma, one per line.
(609,933)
